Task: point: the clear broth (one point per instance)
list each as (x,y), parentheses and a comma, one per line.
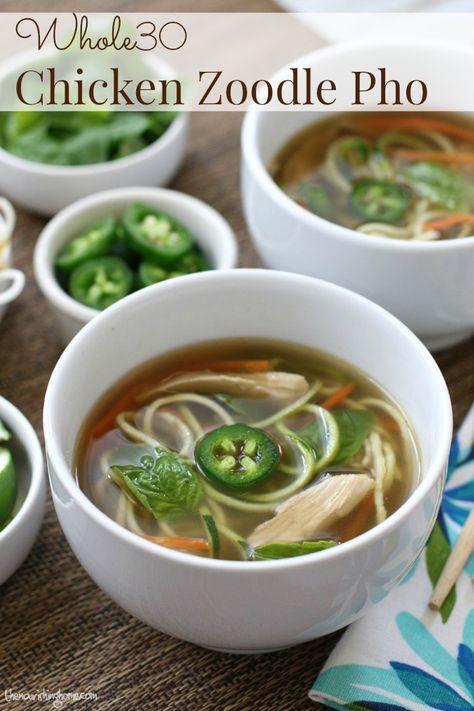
(100,433)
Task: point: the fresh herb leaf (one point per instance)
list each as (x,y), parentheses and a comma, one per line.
(315,198)
(439,185)
(354,427)
(275,551)
(163,482)
(437,553)
(80,138)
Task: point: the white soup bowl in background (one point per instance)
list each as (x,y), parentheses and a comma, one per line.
(18,536)
(428,285)
(231,605)
(211,231)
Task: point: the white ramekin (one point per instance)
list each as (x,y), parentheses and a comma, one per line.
(213,234)
(17,538)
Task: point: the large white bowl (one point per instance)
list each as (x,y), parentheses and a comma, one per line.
(429,286)
(246,606)
(17,538)
(212,233)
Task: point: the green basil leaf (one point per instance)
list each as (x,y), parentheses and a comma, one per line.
(163,482)
(439,184)
(437,553)
(315,197)
(354,427)
(80,138)
(275,551)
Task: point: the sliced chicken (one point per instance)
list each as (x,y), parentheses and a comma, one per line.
(314,511)
(282,386)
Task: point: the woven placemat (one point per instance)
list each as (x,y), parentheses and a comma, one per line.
(58,631)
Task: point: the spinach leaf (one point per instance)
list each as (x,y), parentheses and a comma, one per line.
(275,551)
(163,482)
(439,184)
(80,138)
(354,427)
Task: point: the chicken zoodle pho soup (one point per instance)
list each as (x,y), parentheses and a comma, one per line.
(398,175)
(247,450)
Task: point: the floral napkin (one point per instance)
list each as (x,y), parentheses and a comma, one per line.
(402,655)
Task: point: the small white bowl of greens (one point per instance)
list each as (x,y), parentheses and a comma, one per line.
(22,488)
(50,159)
(106,246)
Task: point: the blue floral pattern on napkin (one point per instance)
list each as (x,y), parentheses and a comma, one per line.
(434,677)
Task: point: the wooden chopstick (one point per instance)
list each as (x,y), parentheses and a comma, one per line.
(457,560)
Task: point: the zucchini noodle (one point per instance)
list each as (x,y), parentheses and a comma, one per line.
(290,409)
(188,397)
(307,472)
(133,432)
(187,440)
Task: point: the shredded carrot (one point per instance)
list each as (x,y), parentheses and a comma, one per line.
(338,397)
(358,520)
(417,123)
(449,221)
(256,366)
(437,156)
(180,543)
(108,422)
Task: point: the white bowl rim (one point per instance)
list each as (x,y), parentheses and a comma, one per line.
(57,461)
(252,156)
(22,429)
(44,272)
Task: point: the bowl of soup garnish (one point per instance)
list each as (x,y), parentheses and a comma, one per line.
(106,246)
(239,440)
(22,488)
(50,158)
(379,202)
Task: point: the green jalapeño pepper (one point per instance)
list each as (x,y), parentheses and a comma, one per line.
(150,273)
(101,282)
(352,150)
(93,242)
(156,235)
(378,201)
(192,262)
(237,456)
